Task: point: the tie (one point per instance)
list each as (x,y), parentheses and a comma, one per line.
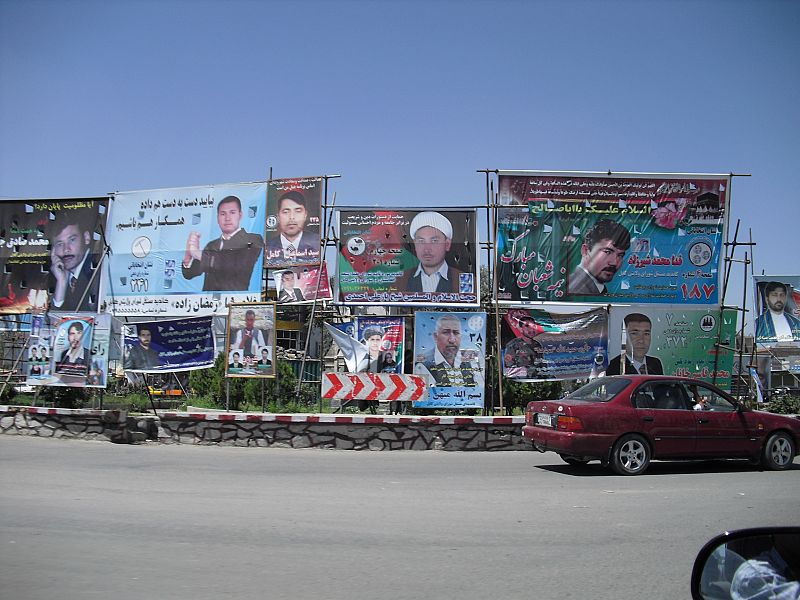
(290,250)
(72,282)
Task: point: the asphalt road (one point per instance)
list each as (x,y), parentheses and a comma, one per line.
(99,520)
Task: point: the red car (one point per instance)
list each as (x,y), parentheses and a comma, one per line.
(627,420)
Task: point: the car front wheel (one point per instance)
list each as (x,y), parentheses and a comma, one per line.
(630,455)
(778,452)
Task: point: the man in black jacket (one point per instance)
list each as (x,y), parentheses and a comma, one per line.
(227,261)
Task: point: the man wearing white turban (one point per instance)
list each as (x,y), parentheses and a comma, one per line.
(432,233)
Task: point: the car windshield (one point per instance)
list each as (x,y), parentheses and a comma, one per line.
(600,390)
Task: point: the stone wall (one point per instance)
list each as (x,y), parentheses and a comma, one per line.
(345,432)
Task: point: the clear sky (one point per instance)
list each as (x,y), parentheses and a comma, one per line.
(406,100)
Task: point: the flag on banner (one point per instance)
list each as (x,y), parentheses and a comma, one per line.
(757,381)
(354,351)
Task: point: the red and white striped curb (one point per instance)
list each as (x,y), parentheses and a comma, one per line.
(383,387)
(291,418)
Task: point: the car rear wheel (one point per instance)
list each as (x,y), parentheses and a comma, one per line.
(778,452)
(630,455)
(573,460)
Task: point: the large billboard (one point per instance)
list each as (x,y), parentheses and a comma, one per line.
(450,349)
(778,310)
(371,344)
(636,238)
(68,349)
(50,253)
(539,345)
(186,251)
(168,345)
(250,340)
(680,342)
(408,257)
(293,221)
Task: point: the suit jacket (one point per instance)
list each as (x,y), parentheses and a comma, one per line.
(73,296)
(410,282)
(307,251)
(293,295)
(139,358)
(579,282)
(651,362)
(228,269)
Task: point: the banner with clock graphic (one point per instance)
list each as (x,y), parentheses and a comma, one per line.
(51,254)
(424,256)
(596,237)
(185,251)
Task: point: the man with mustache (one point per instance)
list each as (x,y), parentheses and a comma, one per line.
(602,251)
(774,324)
(227,261)
(445,366)
(294,245)
(432,233)
(72,272)
(73,359)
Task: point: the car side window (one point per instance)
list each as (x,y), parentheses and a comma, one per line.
(709,399)
(661,396)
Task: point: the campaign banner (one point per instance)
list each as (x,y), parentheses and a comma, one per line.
(168,345)
(250,340)
(408,257)
(778,310)
(371,344)
(185,251)
(680,342)
(648,239)
(50,253)
(539,345)
(450,349)
(293,221)
(68,350)
(302,284)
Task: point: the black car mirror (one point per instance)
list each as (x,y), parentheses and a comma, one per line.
(749,564)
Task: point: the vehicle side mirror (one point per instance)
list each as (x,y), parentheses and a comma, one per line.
(749,563)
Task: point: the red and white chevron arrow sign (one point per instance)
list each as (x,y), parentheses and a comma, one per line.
(381,387)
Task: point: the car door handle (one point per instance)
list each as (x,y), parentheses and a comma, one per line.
(701,421)
(648,419)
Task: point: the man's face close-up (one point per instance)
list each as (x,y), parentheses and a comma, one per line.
(74,337)
(228,216)
(430,246)
(145,337)
(287,281)
(776,300)
(603,260)
(639,338)
(70,246)
(374,344)
(529,329)
(448,339)
(249,321)
(291,217)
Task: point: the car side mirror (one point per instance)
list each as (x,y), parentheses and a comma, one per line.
(749,563)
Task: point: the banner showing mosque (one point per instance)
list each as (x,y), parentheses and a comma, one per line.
(186,251)
(778,310)
(450,349)
(408,257)
(680,342)
(539,345)
(293,221)
(50,253)
(638,238)
(68,350)
(168,345)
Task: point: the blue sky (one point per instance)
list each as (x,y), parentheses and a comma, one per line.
(406,100)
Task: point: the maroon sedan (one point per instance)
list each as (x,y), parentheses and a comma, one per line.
(626,420)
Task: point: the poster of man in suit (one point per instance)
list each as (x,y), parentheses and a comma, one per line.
(408,257)
(293,221)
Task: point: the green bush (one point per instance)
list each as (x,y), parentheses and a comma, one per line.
(784,405)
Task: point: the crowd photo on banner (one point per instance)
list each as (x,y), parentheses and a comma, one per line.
(586,275)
